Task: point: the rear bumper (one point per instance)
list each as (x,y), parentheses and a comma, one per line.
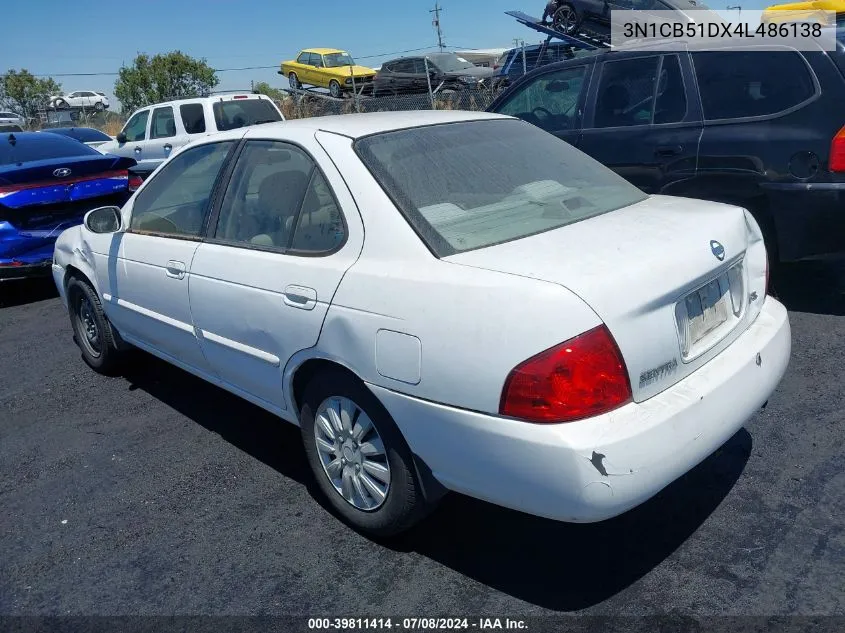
(809,219)
(596,469)
(10,271)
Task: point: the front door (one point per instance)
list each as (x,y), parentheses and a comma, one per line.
(553,101)
(148,292)
(136,136)
(277,249)
(643,121)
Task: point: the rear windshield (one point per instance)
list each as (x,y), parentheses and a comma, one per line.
(469,185)
(84,134)
(243,112)
(34,146)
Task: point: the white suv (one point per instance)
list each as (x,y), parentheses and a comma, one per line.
(152,133)
(86,99)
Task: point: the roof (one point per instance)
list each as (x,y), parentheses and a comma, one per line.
(322,51)
(359,125)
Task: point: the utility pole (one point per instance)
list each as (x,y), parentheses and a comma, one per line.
(436,22)
(737,7)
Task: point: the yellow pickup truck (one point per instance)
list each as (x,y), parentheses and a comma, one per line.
(812,11)
(329,68)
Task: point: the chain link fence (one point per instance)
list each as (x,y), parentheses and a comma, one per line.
(300,104)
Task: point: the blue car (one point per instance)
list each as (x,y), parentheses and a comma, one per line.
(47,184)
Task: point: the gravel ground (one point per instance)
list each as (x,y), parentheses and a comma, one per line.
(157,494)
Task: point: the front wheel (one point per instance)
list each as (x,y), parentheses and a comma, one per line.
(99,107)
(335,89)
(91,328)
(566,19)
(361,462)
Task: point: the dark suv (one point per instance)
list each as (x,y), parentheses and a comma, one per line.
(763,130)
(446,71)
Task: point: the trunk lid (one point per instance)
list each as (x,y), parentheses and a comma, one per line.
(650,271)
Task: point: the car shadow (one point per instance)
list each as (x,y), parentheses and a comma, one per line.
(559,566)
(17,293)
(569,567)
(813,287)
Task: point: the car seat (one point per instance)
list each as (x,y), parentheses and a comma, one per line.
(279,197)
(610,111)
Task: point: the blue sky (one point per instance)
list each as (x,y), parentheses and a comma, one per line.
(98,37)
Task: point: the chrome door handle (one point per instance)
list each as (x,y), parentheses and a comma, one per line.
(168,147)
(301,297)
(175,269)
(137,150)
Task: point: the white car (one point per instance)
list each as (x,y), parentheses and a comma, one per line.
(543,336)
(153,132)
(85,99)
(11,118)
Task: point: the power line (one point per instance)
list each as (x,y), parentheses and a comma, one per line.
(226,70)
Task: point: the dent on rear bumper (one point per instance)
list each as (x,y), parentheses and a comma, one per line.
(596,469)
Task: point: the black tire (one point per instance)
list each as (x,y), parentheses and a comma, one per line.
(567,20)
(334,89)
(86,312)
(99,107)
(293,80)
(61,104)
(404,505)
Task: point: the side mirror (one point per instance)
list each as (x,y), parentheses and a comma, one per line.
(103,220)
(120,138)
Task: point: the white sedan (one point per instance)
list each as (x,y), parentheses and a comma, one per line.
(441,301)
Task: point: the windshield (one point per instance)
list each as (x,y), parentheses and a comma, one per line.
(334,60)
(469,185)
(36,146)
(234,114)
(450,63)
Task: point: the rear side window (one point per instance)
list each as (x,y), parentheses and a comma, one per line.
(229,115)
(40,146)
(193,118)
(743,84)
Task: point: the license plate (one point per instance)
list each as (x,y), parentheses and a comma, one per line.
(706,309)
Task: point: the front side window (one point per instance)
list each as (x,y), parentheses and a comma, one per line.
(550,101)
(448,182)
(136,127)
(277,198)
(193,118)
(304,58)
(742,84)
(163,124)
(175,202)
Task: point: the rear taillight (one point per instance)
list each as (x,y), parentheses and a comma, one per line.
(837,151)
(135,182)
(583,377)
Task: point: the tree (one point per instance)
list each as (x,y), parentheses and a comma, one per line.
(23,92)
(266,89)
(173,75)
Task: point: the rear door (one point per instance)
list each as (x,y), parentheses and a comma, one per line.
(553,100)
(644,128)
(285,233)
(163,134)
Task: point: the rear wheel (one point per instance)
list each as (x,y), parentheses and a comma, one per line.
(361,462)
(61,104)
(91,327)
(293,80)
